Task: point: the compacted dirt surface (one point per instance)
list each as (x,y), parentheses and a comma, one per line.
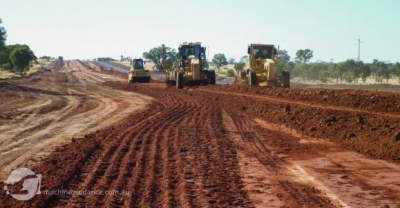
(212,146)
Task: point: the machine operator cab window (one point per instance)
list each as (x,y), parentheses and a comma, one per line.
(137,64)
(190,51)
(197,50)
(260,53)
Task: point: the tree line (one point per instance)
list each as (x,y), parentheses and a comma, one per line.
(104,59)
(349,71)
(16,58)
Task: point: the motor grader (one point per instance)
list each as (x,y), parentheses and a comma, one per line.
(191,68)
(260,68)
(138,73)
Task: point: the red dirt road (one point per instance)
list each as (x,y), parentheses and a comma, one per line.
(232,146)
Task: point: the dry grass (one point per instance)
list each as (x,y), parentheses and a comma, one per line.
(147,65)
(8,75)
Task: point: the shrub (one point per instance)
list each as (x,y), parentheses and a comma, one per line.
(230,73)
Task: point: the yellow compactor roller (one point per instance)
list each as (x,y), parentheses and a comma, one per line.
(138,73)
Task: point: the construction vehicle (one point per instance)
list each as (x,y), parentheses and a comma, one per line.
(260,68)
(191,68)
(138,73)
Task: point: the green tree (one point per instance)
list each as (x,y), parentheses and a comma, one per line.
(324,76)
(6,66)
(300,70)
(21,58)
(161,54)
(283,56)
(288,66)
(3,37)
(319,70)
(340,70)
(231,61)
(353,69)
(386,72)
(60,58)
(47,58)
(239,66)
(230,73)
(382,69)
(365,70)
(304,55)
(219,60)
(244,59)
(332,72)
(396,70)
(5,55)
(374,67)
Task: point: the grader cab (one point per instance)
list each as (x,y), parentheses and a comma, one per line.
(260,68)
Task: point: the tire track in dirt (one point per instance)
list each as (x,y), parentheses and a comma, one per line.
(364,178)
(146,192)
(167,159)
(249,141)
(213,150)
(107,165)
(116,159)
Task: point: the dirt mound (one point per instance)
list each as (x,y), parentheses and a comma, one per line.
(366,100)
(358,99)
(347,117)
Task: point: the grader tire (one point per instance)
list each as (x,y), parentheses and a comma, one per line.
(285,79)
(179,81)
(211,77)
(252,78)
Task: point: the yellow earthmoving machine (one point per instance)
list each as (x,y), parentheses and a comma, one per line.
(138,73)
(191,68)
(260,68)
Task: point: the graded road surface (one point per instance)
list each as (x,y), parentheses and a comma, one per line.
(50,108)
(229,146)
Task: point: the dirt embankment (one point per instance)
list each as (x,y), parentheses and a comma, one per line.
(368,122)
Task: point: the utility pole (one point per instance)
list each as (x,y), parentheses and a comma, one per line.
(359,46)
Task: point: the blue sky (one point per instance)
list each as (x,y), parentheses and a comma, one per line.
(86,29)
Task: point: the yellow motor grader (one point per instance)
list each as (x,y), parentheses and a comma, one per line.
(138,73)
(191,68)
(260,68)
